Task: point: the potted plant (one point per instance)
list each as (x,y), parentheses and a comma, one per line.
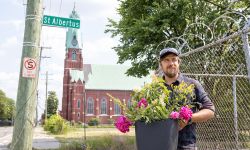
(155,112)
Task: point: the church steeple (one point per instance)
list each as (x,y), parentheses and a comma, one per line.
(74,13)
(73,38)
(73,79)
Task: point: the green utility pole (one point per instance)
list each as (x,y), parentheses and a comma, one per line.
(27,86)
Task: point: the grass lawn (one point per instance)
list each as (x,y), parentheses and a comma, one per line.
(93,132)
(97,138)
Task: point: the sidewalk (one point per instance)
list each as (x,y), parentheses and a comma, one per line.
(41,140)
(5,137)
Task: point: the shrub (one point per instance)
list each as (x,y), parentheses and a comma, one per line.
(56,125)
(111,121)
(94,122)
(72,122)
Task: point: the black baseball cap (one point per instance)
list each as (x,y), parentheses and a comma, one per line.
(166,51)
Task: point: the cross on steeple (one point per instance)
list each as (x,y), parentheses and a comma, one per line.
(74,9)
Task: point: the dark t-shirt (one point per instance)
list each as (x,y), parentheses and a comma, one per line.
(187,136)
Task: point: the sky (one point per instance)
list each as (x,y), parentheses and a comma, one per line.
(97,46)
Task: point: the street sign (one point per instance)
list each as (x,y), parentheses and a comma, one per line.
(61,22)
(29,67)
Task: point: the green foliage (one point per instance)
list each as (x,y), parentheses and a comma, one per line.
(52,103)
(78,124)
(160,101)
(74,145)
(7,107)
(56,125)
(111,121)
(145,24)
(94,122)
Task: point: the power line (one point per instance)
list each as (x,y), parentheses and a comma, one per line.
(49,6)
(40,62)
(60,8)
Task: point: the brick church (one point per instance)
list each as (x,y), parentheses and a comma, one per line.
(85,86)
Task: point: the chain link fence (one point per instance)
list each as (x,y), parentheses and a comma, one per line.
(222,69)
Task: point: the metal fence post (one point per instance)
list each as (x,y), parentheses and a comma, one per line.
(246,46)
(235,113)
(235,108)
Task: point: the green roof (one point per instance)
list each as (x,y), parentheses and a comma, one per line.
(111,77)
(76,75)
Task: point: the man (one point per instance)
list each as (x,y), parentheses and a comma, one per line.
(169,64)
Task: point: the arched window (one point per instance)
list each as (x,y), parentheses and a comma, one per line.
(129,103)
(103,106)
(74,55)
(78,103)
(90,105)
(117,109)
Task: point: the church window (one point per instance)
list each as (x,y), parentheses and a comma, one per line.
(90,105)
(103,106)
(117,109)
(74,55)
(78,103)
(129,103)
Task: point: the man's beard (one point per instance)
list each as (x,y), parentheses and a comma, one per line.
(171,74)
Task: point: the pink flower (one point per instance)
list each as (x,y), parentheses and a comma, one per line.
(143,102)
(174,115)
(185,113)
(123,124)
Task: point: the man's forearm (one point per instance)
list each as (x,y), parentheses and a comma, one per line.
(202,115)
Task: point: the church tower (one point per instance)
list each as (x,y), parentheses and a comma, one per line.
(73,79)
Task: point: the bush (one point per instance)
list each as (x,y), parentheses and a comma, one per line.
(56,125)
(111,121)
(94,122)
(72,122)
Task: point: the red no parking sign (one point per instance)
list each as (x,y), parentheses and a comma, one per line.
(29,67)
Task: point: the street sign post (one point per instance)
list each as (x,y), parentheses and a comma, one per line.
(61,22)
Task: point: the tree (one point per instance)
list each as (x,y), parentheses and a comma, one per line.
(52,102)
(144,24)
(7,107)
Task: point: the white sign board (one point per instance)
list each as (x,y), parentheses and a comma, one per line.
(29,67)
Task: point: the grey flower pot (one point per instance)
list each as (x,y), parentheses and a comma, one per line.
(159,135)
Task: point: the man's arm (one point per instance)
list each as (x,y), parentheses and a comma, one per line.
(207,109)
(200,116)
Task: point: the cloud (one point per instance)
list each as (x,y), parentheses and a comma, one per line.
(18,2)
(7,44)
(9,83)
(99,51)
(106,9)
(2,53)
(16,24)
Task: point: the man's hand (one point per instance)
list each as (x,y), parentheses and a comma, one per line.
(182,123)
(200,116)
